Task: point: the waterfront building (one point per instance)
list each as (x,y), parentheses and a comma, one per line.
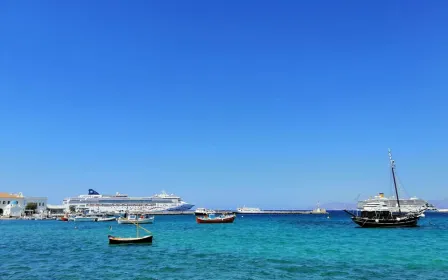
(20,201)
(56,210)
(7,198)
(13,210)
(41,203)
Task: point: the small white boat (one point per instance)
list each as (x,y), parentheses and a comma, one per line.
(204,212)
(248,210)
(134,219)
(106,219)
(85,219)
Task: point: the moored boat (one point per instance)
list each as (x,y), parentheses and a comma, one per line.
(147,239)
(379,214)
(203,212)
(130,240)
(106,219)
(213,219)
(64,218)
(85,219)
(134,218)
(384,219)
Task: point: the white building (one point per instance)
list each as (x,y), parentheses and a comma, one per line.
(8,198)
(13,210)
(56,210)
(40,201)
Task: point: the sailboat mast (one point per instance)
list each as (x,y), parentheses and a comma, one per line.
(392,165)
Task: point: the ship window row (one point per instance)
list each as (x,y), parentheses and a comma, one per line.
(117,205)
(165,201)
(96,203)
(6,202)
(125,202)
(133,201)
(73,201)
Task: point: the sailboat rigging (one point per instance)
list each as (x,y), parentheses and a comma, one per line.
(392,164)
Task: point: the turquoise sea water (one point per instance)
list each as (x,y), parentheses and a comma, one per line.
(254,247)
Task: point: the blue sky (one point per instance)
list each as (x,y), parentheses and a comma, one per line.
(263,103)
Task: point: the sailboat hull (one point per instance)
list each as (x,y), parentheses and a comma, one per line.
(385,223)
(132,240)
(216,220)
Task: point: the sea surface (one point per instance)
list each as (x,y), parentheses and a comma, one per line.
(254,247)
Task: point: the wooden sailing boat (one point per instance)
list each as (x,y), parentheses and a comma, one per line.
(132,240)
(213,219)
(383,216)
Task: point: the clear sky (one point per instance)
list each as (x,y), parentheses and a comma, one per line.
(275,104)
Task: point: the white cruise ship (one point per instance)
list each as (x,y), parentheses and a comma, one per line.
(120,203)
(407,205)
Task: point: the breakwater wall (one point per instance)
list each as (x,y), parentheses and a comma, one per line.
(262,212)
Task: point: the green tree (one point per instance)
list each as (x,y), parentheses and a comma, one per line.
(72,208)
(31,207)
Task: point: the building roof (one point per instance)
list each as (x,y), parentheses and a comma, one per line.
(55,207)
(10,195)
(36,198)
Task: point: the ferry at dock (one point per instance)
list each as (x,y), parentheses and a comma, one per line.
(93,202)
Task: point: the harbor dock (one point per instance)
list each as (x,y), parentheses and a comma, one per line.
(262,212)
